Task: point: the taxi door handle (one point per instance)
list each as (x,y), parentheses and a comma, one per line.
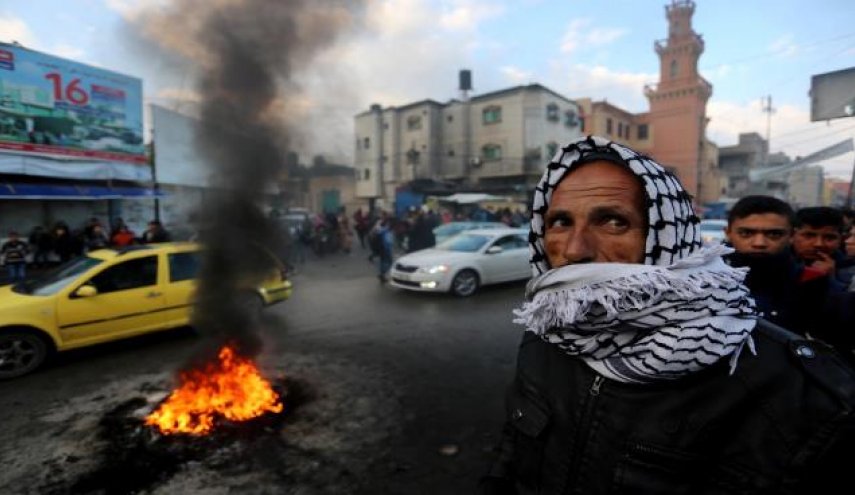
(153,294)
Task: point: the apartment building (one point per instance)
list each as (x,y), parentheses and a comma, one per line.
(497,142)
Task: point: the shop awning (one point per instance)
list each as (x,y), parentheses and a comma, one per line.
(10,190)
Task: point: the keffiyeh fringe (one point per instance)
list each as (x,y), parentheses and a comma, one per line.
(641,323)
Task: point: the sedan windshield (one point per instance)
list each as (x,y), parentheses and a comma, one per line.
(467,243)
(713,227)
(57,279)
(449,229)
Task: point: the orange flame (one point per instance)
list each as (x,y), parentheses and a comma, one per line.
(232,387)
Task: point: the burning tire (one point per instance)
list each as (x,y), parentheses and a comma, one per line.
(20,353)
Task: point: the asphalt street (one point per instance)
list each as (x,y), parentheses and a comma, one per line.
(419,378)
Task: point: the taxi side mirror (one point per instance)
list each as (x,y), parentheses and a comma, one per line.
(86,291)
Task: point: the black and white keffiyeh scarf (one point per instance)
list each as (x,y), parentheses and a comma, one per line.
(679,312)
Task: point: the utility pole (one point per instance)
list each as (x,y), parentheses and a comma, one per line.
(768,110)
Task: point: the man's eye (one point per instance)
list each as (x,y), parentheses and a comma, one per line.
(615,222)
(558,222)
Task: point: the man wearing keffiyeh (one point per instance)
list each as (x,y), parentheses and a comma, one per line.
(644,366)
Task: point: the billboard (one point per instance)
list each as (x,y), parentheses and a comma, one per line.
(832,95)
(50,106)
(176,159)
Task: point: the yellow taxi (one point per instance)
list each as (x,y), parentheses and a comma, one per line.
(107,295)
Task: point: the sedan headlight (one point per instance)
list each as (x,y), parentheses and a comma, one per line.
(434,269)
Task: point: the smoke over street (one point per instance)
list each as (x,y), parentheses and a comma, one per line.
(245,55)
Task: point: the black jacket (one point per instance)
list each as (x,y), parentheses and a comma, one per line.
(782,423)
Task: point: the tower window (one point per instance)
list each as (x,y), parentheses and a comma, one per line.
(673,69)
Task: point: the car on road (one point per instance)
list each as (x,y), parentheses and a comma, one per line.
(465,262)
(451,229)
(712,231)
(111,294)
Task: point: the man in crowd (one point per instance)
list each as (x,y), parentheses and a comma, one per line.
(817,241)
(644,367)
(155,233)
(760,229)
(14,253)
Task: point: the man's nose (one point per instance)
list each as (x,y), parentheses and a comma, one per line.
(759,241)
(579,248)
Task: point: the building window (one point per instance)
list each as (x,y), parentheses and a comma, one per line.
(385,125)
(451,152)
(552,112)
(673,69)
(626,131)
(414,122)
(450,118)
(608,126)
(620,129)
(491,115)
(367,174)
(570,119)
(551,149)
(366,143)
(642,131)
(492,152)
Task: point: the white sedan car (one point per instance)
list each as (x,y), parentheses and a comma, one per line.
(712,231)
(465,262)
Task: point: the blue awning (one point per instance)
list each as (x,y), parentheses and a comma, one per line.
(10,190)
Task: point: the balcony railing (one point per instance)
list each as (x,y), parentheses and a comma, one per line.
(651,89)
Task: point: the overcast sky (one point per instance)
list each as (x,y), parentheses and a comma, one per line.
(402,51)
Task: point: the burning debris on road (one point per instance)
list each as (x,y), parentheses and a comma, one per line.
(336,421)
(138,455)
(230,388)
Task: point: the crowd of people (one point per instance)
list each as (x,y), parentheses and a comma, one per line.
(46,247)
(801,266)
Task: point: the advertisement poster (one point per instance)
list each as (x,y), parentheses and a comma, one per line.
(55,107)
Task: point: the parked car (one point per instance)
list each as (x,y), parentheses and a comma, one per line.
(110,294)
(451,229)
(465,262)
(712,231)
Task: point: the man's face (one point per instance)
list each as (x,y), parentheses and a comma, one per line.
(809,241)
(596,215)
(760,233)
(850,242)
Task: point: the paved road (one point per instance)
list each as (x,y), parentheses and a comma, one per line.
(444,360)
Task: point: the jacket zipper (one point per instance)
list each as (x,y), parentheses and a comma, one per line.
(582,433)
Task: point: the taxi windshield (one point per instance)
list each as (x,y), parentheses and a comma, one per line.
(58,278)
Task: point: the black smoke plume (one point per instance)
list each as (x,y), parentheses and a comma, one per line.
(245,55)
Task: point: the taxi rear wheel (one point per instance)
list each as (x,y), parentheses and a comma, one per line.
(20,353)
